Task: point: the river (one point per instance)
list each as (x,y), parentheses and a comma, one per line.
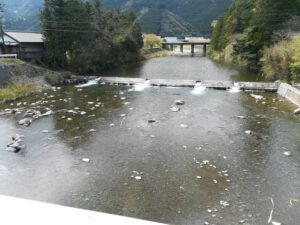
(218,160)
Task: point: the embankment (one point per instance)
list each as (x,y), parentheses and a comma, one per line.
(289,92)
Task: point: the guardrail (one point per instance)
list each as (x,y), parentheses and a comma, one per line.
(37,213)
(8,56)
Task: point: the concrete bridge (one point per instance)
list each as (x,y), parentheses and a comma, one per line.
(192,44)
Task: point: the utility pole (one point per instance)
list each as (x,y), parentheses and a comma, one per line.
(1,29)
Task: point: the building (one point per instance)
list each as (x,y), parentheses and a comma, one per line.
(27,46)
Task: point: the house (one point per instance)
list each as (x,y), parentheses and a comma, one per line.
(27,46)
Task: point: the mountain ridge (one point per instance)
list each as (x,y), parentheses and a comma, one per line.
(163,17)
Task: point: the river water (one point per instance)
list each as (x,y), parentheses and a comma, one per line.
(200,164)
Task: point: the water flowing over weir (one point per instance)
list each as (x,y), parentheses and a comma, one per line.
(199,89)
(89,83)
(235,88)
(171,155)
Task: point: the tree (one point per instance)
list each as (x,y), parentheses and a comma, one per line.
(269,17)
(79,35)
(64,24)
(152,40)
(3,50)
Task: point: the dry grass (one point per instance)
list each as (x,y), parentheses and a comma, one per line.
(282,60)
(12,92)
(11,61)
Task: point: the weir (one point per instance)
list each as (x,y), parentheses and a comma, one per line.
(220,85)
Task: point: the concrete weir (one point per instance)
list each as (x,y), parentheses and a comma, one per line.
(220,85)
(289,92)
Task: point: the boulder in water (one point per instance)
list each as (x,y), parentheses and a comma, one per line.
(151,121)
(25,122)
(16,144)
(179,102)
(175,109)
(297,111)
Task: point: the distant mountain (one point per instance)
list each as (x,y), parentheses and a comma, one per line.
(22,14)
(174,17)
(164,17)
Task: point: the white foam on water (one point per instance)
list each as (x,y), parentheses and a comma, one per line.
(89,83)
(141,86)
(235,89)
(198,89)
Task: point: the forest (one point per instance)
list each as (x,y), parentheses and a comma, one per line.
(83,38)
(262,35)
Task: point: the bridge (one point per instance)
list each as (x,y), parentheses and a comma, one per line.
(192,44)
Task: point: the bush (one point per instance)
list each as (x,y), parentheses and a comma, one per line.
(52,78)
(152,41)
(282,60)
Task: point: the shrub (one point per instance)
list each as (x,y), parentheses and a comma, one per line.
(52,78)
(152,41)
(282,60)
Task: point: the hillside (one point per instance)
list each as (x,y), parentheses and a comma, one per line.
(250,29)
(22,14)
(164,17)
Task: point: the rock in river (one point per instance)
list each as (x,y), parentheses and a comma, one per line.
(16,144)
(297,111)
(175,109)
(151,121)
(25,122)
(179,102)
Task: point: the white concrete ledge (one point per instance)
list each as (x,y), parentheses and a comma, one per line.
(223,85)
(15,211)
(289,92)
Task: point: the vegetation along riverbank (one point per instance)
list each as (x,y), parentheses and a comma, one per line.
(152,47)
(97,41)
(262,35)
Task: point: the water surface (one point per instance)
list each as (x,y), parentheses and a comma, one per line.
(182,66)
(187,167)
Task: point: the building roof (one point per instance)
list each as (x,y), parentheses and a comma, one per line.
(23,37)
(8,40)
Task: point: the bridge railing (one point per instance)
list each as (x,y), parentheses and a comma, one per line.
(8,56)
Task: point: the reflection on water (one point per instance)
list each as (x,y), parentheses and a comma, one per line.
(140,161)
(183,67)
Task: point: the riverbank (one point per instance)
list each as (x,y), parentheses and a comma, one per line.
(154,53)
(20,79)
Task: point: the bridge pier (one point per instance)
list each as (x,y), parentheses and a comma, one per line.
(192,49)
(181,48)
(172,48)
(204,50)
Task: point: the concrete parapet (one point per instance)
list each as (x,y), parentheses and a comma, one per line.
(289,92)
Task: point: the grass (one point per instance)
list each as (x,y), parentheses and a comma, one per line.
(9,61)
(282,60)
(15,91)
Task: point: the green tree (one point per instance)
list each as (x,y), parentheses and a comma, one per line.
(80,35)
(1,28)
